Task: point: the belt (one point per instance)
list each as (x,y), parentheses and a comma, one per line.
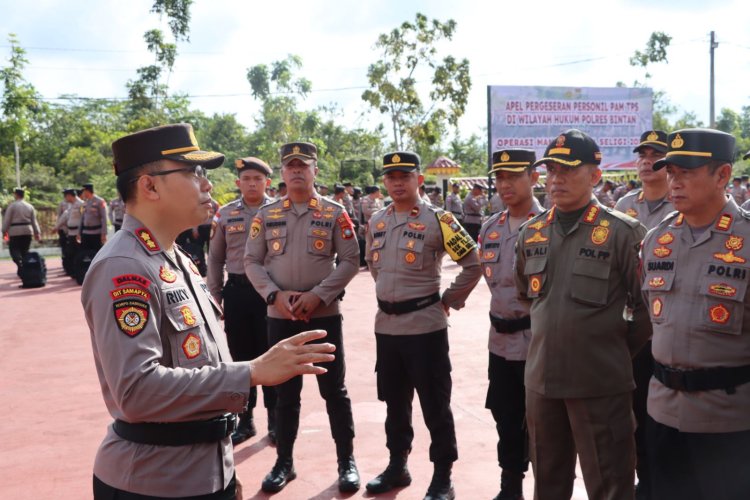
(510,325)
(72,227)
(20,223)
(177,433)
(238,279)
(408,306)
(92,227)
(702,379)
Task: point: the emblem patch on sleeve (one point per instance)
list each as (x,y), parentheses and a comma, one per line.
(346,225)
(131,316)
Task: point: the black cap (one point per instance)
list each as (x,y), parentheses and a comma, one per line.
(70,191)
(168,142)
(694,147)
(737,178)
(572,148)
(512,160)
(304,151)
(348,184)
(456,184)
(252,163)
(88,186)
(19,191)
(357,189)
(403,161)
(477,186)
(282,185)
(656,139)
(338,188)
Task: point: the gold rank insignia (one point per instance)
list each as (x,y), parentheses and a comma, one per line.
(188,317)
(677,142)
(719,314)
(600,234)
(537,238)
(287,203)
(662,252)
(319,244)
(734,242)
(488,271)
(191,346)
(167,275)
(656,282)
(722,290)
(410,258)
(537,225)
(665,239)
(375,256)
(535,283)
(724,222)
(678,221)
(591,214)
(145,236)
(313,203)
(730,257)
(656,308)
(380,225)
(631,212)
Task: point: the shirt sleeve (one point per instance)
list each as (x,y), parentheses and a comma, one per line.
(640,329)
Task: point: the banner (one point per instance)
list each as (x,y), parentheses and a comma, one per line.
(530,117)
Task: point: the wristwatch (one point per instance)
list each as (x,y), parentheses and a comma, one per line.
(271,297)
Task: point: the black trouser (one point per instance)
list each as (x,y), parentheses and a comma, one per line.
(506,398)
(408,362)
(103,491)
(18,247)
(91,241)
(473,229)
(697,465)
(62,239)
(330,384)
(246,329)
(69,254)
(643,369)
(362,261)
(117,226)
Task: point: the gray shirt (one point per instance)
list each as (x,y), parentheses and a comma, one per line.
(454,204)
(93,216)
(635,205)
(20,219)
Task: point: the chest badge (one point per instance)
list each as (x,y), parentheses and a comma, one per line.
(488,271)
(375,256)
(380,225)
(719,314)
(489,255)
(187,316)
(665,239)
(656,282)
(167,275)
(600,234)
(410,258)
(662,252)
(493,235)
(191,346)
(319,244)
(722,290)
(656,308)
(537,237)
(535,283)
(276,246)
(631,212)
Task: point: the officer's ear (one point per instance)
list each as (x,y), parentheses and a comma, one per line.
(534,177)
(420,180)
(146,188)
(596,175)
(724,174)
(268,182)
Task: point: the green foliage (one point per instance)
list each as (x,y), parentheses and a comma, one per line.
(407,52)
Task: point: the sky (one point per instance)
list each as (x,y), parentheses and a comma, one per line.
(92,48)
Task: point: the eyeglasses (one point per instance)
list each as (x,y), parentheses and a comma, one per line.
(197,170)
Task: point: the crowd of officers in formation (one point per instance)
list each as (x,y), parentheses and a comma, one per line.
(618,329)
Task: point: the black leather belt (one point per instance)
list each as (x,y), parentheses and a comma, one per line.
(20,223)
(702,379)
(177,433)
(93,227)
(74,227)
(408,306)
(238,279)
(510,325)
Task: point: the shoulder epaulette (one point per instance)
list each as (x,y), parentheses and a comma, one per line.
(630,221)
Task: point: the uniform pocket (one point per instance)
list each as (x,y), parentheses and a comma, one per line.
(319,241)
(535,271)
(722,305)
(187,341)
(590,282)
(276,240)
(411,252)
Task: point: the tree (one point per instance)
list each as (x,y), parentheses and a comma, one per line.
(655,52)
(407,52)
(20,100)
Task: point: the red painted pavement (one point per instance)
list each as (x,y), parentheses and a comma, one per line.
(52,416)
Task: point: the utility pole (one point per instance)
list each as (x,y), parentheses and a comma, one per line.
(712,116)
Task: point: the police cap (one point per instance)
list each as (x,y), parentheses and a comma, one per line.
(694,147)
(656,139)
(403,161)
(572,148)
(304,151)
(252,163)
(512,160)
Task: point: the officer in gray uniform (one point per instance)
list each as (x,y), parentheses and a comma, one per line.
(71,220)
(62,233)
(578,264)
(165,371)
(290,259)
(510,330)
(93,228)
(650,205)
(406,243)
(244,309)
(695,280)
(454,204)
(474,204)
(116,212)
(19,224)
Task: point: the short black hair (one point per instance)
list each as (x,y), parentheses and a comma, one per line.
(127,179)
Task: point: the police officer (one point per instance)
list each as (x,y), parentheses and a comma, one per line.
(290,255)
(510,330)
(165,371)
(453,202)
(93,228)
(649,205)
(244,309)
(474,204)
(116,212)
(62,232)
(695,267)
(578,263)
(71,220)
(19,224)
(406,244)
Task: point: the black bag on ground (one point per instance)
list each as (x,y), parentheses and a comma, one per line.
(33,271)
(83,259)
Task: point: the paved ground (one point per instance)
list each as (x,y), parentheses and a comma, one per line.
(53,417)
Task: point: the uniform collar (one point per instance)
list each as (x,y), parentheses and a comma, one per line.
(315,203)
(415,211)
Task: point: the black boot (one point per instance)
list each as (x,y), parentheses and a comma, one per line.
(396,475)
(441,486)
(246,428)
(348,475)
(272,425)
(511,486)
(282,473)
